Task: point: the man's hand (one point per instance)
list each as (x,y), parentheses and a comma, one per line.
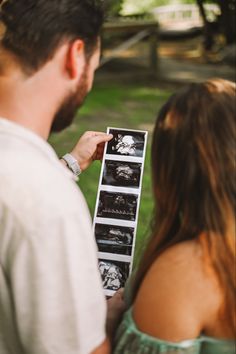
(90,147)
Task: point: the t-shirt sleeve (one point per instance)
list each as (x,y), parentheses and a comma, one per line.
(57,292)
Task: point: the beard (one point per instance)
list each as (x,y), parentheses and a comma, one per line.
(68,109)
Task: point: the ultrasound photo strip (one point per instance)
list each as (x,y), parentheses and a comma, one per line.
(118,199)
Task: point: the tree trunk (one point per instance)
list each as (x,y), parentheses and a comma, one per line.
(208,30)
(228,19)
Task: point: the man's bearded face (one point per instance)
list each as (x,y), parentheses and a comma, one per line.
(67,112)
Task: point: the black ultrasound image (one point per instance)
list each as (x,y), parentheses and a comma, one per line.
(122,174)
(126,143)
(117,206)
(114,239)
(114,274)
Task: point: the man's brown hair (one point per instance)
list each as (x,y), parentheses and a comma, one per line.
(33,29)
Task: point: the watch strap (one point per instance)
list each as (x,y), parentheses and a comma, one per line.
(72,164)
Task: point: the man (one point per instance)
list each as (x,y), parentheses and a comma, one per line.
(51,297)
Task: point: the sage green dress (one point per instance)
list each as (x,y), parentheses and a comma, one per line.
(129,340)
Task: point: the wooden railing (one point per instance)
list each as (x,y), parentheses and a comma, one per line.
(137,30)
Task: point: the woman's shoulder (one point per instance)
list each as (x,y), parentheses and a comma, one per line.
(178,294)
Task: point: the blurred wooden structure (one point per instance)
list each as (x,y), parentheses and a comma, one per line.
(137,30)
(183,16)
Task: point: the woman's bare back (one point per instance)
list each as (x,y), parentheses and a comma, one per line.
(180,297)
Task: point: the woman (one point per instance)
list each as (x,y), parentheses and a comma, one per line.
(182,297)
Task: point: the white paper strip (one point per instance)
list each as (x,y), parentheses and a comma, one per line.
(117,205)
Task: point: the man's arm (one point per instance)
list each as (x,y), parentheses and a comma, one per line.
(58,295)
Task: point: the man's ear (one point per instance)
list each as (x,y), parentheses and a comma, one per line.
(75,59)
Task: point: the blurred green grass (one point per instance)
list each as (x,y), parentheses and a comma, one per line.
(121,106)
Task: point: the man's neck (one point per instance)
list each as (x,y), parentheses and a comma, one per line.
(28,101)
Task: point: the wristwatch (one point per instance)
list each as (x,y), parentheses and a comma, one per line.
(72,164)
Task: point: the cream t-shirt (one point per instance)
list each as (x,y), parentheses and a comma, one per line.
(51,297)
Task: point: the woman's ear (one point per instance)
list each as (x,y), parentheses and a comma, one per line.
(75,59)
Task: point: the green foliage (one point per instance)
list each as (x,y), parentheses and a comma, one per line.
(131,7)
(134,7)
(113,7)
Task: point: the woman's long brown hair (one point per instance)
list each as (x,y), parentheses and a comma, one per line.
(194,181)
